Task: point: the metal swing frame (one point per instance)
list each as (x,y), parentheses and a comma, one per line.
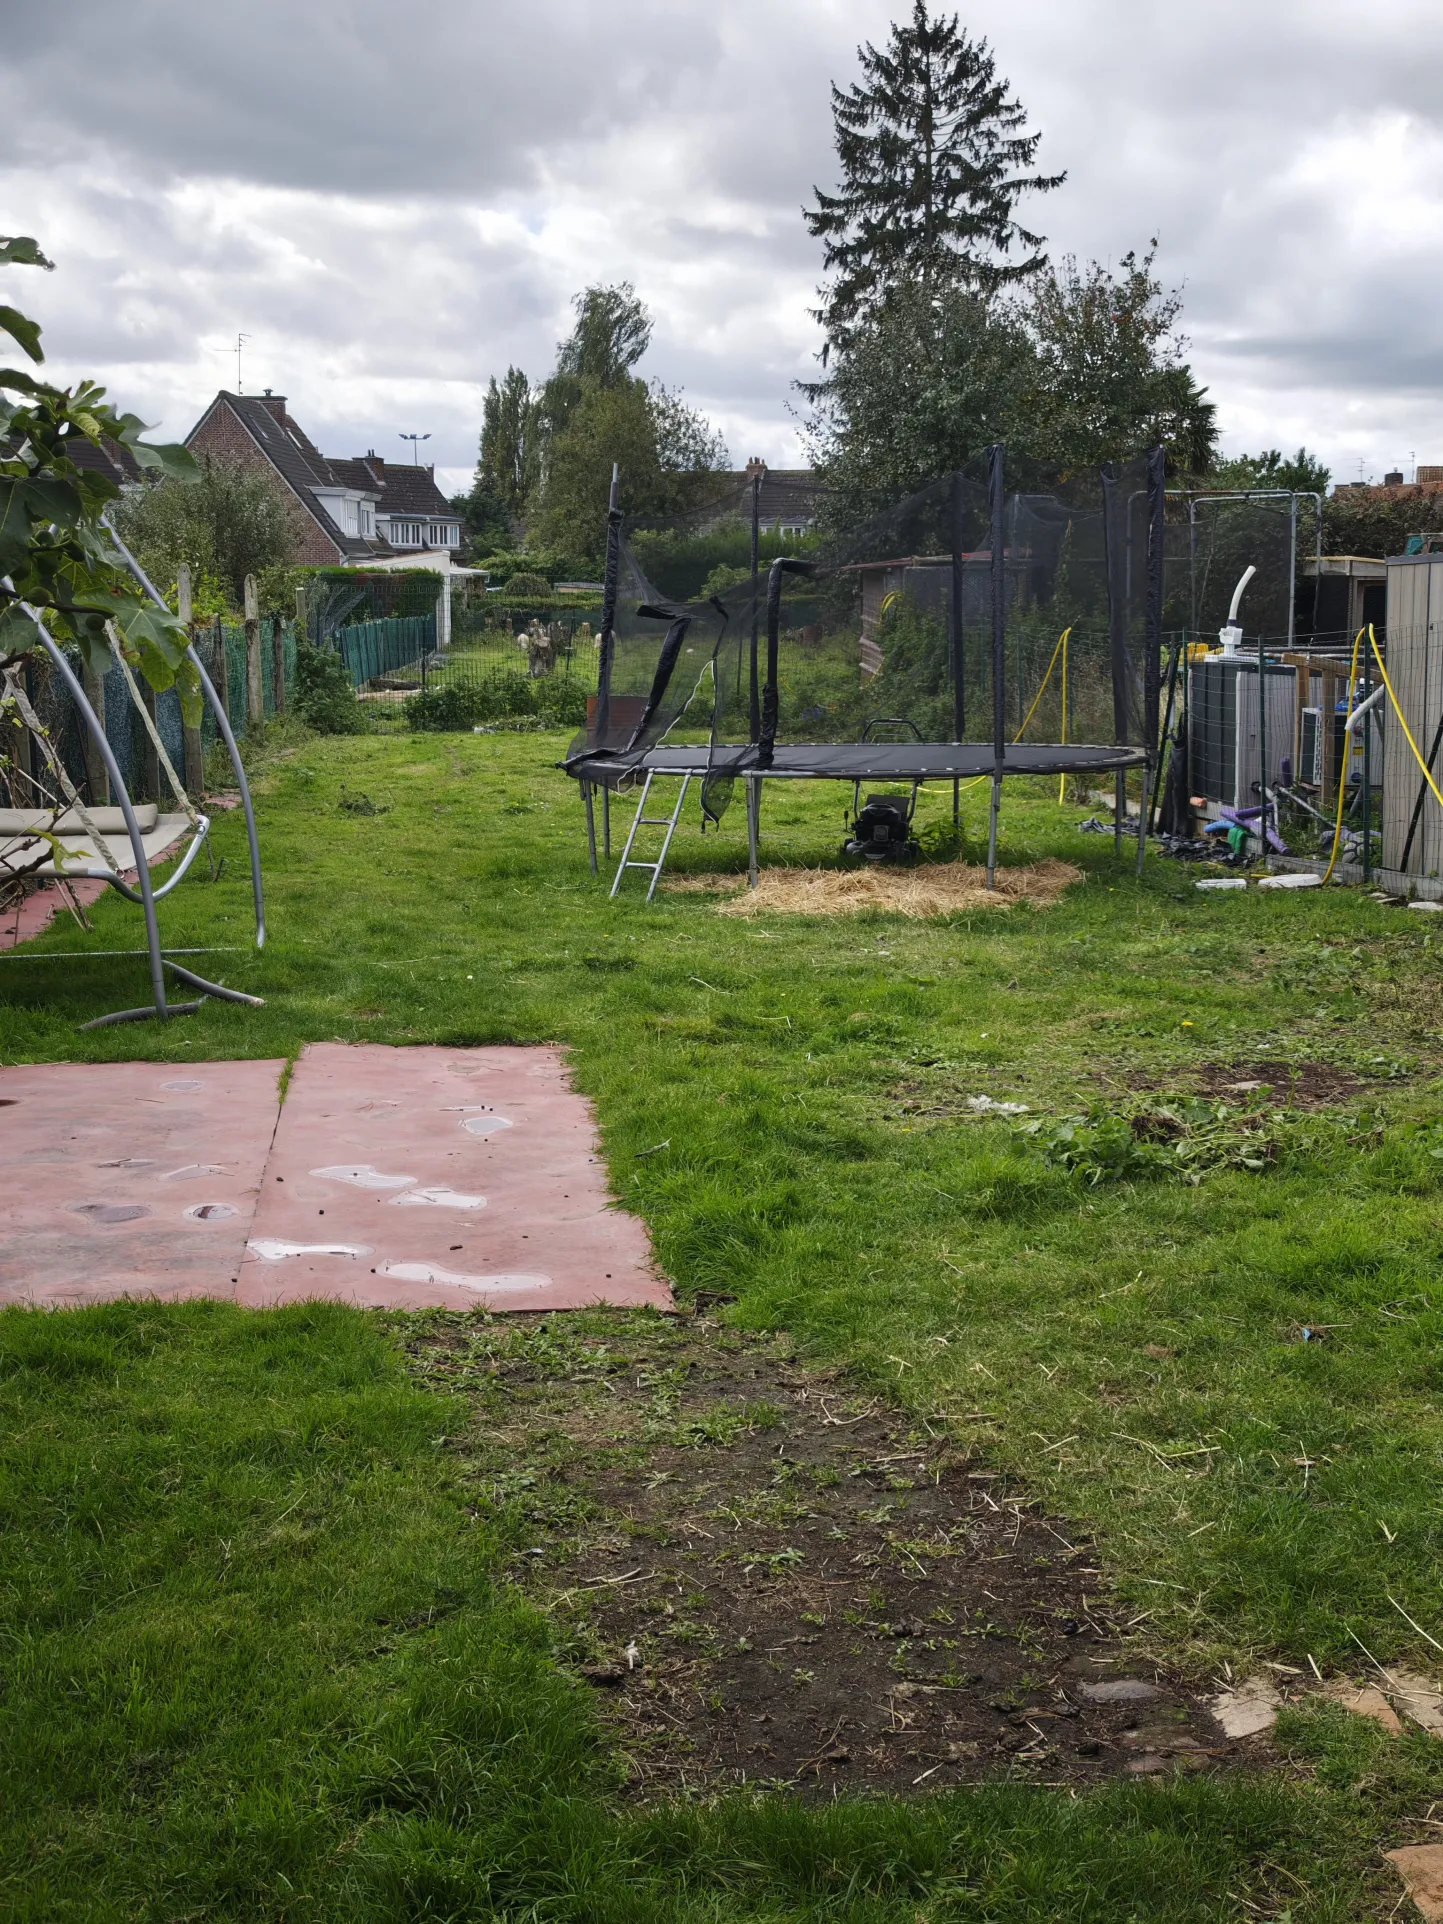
(145,893)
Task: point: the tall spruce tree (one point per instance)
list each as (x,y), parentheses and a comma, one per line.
(934,156)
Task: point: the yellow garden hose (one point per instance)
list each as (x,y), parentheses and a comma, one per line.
(1060,649)
(1383,671)
(1347,751)
(1062,779)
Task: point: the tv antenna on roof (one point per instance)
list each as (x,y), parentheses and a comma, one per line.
(415,451)
(240,341)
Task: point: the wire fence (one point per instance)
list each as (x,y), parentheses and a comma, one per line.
(221,647)
(540,676)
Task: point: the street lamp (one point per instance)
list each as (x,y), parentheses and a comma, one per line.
(415,451)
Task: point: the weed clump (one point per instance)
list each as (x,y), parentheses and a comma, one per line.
(1187,1139)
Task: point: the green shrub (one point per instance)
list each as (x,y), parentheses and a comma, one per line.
(454,707)
(324,697)
(526,584)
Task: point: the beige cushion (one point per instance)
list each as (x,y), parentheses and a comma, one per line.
(108,821)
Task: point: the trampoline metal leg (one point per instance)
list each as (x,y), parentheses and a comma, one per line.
(992,831)
(754,820)
(1142,815)
(606,823)
(590,823)
(956,801)
(1120,814)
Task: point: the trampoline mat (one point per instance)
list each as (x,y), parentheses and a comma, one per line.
(861,761)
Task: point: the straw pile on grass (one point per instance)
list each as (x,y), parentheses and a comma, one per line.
(942,888)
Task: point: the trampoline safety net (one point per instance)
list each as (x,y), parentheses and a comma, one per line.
(1028,628)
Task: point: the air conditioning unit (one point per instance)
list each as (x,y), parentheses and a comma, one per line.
(1224,750)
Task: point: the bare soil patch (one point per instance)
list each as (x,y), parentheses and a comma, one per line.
(768,1575)
(1286,1085)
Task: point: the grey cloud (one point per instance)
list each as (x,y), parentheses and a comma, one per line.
(394,212)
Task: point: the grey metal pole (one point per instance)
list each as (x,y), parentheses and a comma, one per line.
(1292,572)
(754,814)
(959,662)
(1367,766)
(754,716)
(997,506)
(132,827)
(590,823)
(223,723)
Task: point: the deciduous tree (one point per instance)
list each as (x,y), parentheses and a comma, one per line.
(56,554)
(230,522)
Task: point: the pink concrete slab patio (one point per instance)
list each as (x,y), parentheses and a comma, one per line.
(441,1178)
(390,1178)
(130,1178)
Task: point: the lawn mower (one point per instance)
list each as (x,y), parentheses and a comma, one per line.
(882,830)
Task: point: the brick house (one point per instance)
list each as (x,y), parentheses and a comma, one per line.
(353,511)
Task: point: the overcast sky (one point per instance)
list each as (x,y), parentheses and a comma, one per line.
(392,209)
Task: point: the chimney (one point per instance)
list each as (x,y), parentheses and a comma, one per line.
(755,467)
(1393,479)
(275,405)
(376,464)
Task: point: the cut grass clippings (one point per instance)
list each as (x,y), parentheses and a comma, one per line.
(1232,1389)
(936,888)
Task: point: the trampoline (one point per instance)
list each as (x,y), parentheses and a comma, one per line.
(933,614)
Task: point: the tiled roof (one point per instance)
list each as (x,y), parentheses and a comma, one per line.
(111,458)
(786,493)
(403,489)
(293,455)
(411,490)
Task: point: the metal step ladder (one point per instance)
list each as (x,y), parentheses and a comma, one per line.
(643,820)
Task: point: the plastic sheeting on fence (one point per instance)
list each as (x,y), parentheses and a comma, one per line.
(373,648)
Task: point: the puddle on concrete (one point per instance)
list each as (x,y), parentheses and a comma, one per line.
(362,1175)
(434,1273)
(438,1197)
(271,1249)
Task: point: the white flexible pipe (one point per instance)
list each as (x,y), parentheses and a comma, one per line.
(1248,574)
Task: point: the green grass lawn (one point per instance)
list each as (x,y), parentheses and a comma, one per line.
(258,1661)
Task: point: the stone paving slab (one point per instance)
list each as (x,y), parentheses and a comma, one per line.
(130,1178)
(441,1178)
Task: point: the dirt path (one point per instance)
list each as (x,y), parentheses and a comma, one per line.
(767,1575)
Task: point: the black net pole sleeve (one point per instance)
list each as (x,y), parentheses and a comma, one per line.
(755,712)
(1156,536)
(771,697)
(1115,546)
(959,693)
(608,614)
(997,503)
(665,665)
